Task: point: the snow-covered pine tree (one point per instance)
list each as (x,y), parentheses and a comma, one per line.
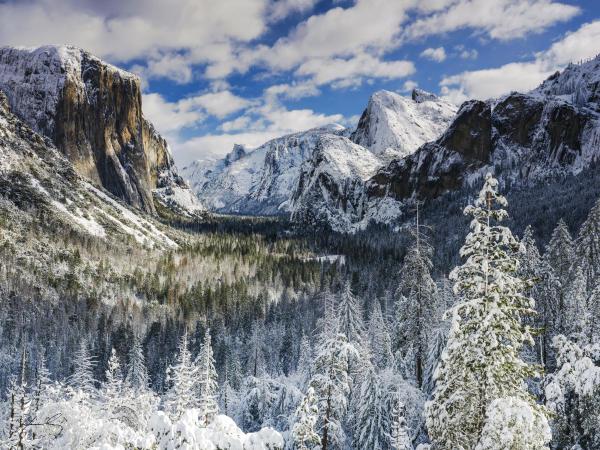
(372,421)
(331,380)
(255,361)
(588,246)
(416,306)
(18,434)
(399,432)
(482,361)
(305,359)
(181,376)
(350,314)
(304,430)
(379,338)
(208,386)
(137,373)
(82,379)
(576,313)
(592,326)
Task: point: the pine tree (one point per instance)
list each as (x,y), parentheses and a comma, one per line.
(481,361)
(208,387)
(588,245)
(372,416)
(331,382)
(304,361)
(350,317)
(592,326)
(379,339)
(304,433)
(181,376)
(82,378)
(417,305)
(399,436)
(19,401)
(137,374)
(576,312)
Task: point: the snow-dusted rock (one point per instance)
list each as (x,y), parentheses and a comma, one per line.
(331,182)
(396,125)
(258,181)
(92,111)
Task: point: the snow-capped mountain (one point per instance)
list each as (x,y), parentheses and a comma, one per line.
(92,111)
(262,181)
(526,139)
(258,181)
(326,189)
(396,126)
(38,184)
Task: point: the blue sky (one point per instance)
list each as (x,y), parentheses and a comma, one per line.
(243,71)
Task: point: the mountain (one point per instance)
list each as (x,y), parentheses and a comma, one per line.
(326,189)
(263,181)
(397,125)
(259,181)
(92,112)
(526,139)
(40,188)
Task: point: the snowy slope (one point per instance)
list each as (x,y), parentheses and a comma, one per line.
(258,181)
(92,112)
(396,125)
(329,187)
(37,181)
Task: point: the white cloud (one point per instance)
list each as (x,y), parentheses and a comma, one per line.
(169,117)
(409,85)
(280,9)
(523,76)
(219,104)
(199,31)
(355,68)
(500,19)
(434,54)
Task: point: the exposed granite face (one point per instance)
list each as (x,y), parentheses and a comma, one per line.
(525,137)
(92,112)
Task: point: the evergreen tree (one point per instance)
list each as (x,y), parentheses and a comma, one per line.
(304,367)
(304,434)
(181,376)
(208,387)
(576,312)
(588,246)
(592,326)
(399,436)
(331,382)
(82,378)
(417,305)
(379,339)
(481,361)
(372,416)
(137,374)
(350,314)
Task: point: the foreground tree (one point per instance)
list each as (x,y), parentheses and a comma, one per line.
(182,394)
(208,387)
(482,359)
(307,415)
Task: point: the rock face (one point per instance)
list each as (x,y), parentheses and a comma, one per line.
(92,111)
(396,125)
(259,181)
(38,184)
(524,138)
(327,189)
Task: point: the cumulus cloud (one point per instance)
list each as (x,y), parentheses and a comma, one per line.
(523,76)
(434,54)
(499,19)
(409,85)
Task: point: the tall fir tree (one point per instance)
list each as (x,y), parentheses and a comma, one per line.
(181,376)
(588,246)
(82,378)
(208,387)
(137,373)
(304,430)
(372,421)
(482,359)
(417,305)
(399,432)
(379,338)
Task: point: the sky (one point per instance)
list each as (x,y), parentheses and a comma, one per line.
(219,72)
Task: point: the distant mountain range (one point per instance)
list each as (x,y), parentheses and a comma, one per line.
(403,148)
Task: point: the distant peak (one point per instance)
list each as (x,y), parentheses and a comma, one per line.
(419,96)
